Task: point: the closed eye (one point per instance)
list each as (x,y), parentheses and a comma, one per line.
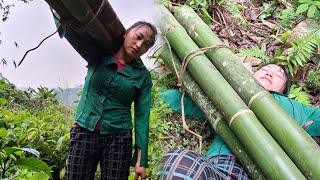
(147,44)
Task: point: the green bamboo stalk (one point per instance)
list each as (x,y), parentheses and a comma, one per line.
(83,13)
(268,155)
(306,153)
(60,9)
(214,117)
(109,20)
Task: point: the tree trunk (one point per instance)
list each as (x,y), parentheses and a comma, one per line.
(259,143)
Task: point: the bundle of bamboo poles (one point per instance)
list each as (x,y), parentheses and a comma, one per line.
(273,140)
(91,19)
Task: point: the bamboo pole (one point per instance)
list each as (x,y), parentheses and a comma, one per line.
(212,114)
(306,153)
(60,9)
(268,155)
(109,20)
(83,13)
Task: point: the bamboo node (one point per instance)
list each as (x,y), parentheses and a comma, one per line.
(254,97)
(238,114)
(215,124)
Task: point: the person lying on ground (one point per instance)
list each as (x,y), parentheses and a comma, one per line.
(219,162)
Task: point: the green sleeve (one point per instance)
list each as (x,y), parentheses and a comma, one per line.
(172,97)
(313,114)
(141,121)
(301,113)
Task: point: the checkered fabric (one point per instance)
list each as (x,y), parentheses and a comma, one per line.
(186,165)
(229,166)
(87,148)
(317,139)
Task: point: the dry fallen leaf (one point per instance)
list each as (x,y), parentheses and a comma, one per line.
(268,24)
(253,61)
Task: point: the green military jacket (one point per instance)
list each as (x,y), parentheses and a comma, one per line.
(108,94)
(107,97)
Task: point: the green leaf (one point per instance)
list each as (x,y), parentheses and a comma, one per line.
(3,132)
(131,177)
(62,173)
(39,176)
(3,101)
(290,69)
(302,8)
(294,46)
(298,60)
(22,137)
(10,150)
(305,54)
(34,164)
(283,63)
(276,37)
(286,35)
(282,57)
(294,63)
(311,11)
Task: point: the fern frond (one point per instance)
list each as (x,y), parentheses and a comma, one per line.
(299,95)
(314,79)
(303,47)
(254,51)
(287,17)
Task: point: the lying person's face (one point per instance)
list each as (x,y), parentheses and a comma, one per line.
(272,78)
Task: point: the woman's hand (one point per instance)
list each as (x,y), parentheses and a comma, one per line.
(140,172)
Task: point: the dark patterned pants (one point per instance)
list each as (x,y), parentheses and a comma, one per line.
(188,165)
(87,149)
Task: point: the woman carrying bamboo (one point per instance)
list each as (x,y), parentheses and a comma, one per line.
(219,162)
(102,132)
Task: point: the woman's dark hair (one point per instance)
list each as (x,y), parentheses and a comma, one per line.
(288,82)
(152,27)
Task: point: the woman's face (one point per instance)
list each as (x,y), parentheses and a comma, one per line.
(272,78)
(137,41)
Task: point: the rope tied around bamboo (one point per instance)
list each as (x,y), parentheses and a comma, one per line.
(78,26)
(179,75)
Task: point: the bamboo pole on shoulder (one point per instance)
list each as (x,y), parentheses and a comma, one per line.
(268,155)
(83,13)
(306,153)
(60,9)
(109,20)
(212,114)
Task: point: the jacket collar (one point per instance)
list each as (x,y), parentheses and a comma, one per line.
(278,93)
(132,70)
